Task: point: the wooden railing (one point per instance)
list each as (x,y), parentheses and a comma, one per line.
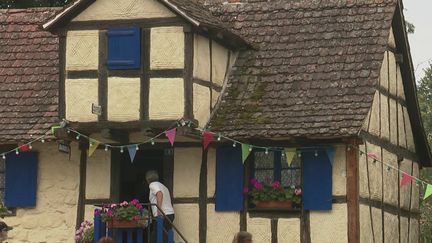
(136,235)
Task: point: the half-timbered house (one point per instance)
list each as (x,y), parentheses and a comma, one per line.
(331,79)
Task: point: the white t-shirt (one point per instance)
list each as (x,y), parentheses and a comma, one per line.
(166,206)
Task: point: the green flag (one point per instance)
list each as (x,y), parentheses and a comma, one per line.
(289,154)
(245,152)
(428,192)
(92,147)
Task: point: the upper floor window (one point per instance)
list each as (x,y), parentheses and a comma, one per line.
(124,48)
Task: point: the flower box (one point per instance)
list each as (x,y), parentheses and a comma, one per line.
(123,223)
(274,204)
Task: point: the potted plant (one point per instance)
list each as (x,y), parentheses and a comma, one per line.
(85,233)
(124,215)
(273,195)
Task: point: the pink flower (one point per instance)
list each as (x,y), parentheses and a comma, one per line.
(245,190)
(254,181)
(113,205)
(124,203)
(110,214)
(136,218)
(276,185)
(138,206)
(298,191)
(135,202)
(97,212)
(259,186)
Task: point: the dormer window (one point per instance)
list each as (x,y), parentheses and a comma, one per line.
(124,48)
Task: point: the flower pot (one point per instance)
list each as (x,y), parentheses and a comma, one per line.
(88,241)
(274,204)
(122,223)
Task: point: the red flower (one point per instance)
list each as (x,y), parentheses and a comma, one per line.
(276,185)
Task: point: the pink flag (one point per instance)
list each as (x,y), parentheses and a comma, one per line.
(207,139)
(406,179)
(372,155)
(171,134)
(24,148)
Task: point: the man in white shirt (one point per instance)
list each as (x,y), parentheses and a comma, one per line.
(159,195)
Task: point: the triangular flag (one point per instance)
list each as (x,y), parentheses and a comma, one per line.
(372,155)
(53,128)
(406,179)
(245,151)
(132,152)
(428,192)
(92,147)
(207,139)
(289,154)
(330,154)
(171,134)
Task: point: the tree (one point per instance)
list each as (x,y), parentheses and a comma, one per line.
(424,92)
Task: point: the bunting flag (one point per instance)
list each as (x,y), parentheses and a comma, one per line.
(24,148)
(92,147)
(428,192)
(171,134)
(289,154)
(53,128)
(372,155)
(207,139)
(245,151)
(405,179)
(330,154)
(132,152)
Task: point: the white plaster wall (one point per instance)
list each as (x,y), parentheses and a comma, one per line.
(215,97)
(211,172)
(393,122)
(339,171)
(260,228)
(375,174)
(167,48)
(392,73)
(80,94)
(201,61)
(370,218)
(187,164)
(166,98)
(53,218)
(289,230)
(405,191)
(82,50)
(187,220)
(374,124)
(409,134)
(384,75)
(415,195)
(414,230)
(391,40)
(123,99)
(385,129)
(98,180)
(125,9)
(402,137)
(324,223)
(400,88)
(201,104)
(404,229)
(391,227)
(89,212)
(391,179)
(221,226)
(220,61)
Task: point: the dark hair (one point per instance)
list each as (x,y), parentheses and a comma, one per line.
(242,237)
(106,239)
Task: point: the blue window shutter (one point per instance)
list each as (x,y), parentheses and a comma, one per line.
(317,181)
(229,179)
(124,48)
(21,180)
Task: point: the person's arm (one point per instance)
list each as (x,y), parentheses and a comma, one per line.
(159,198)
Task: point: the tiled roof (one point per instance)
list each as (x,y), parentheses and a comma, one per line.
(29,74)
(313,73)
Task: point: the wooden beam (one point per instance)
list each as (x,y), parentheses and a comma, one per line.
(168,169)
(103,75)
(274,230)
(167,73)
(352,190)
(203,198)
(144,76)
(83,146)
(305,227)
(130,126)
(388,208)
(82,74)
(188,72)
(62,77)
(143,23)
(207,84)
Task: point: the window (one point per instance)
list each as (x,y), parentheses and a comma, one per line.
(274,167)
(124,48)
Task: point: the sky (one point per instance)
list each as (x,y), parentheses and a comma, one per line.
(419,13)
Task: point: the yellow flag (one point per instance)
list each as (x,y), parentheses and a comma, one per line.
(289,154)
(92,147)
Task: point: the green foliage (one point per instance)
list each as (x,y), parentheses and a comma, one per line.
(273,192)
(88,234)
(424,92)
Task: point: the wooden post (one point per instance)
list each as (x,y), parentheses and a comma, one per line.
(202,201)
(83,146)
(352,190)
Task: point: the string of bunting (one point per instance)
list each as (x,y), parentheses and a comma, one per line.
(207,138)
